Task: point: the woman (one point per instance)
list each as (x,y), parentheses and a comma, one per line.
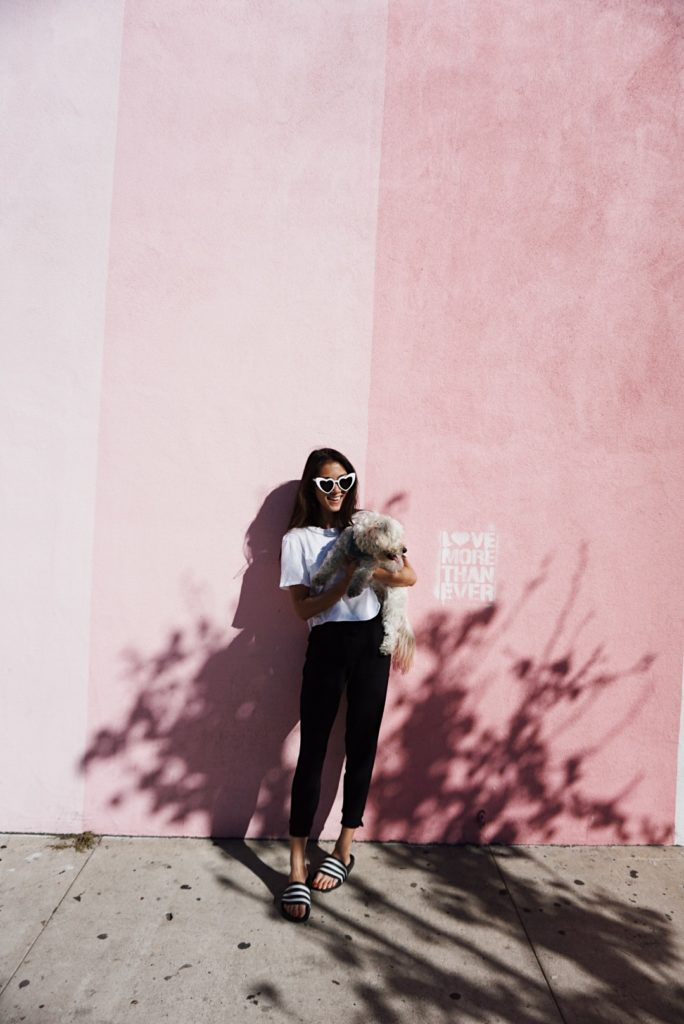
(343,651)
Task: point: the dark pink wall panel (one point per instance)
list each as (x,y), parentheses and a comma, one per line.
(527,384)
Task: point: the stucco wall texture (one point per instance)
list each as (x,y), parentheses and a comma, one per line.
(444,237)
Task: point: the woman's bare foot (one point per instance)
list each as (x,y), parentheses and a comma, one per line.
(343,852)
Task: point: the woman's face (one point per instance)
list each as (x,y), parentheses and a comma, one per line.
(330,503)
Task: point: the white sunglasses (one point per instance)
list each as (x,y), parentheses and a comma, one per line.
(327,484)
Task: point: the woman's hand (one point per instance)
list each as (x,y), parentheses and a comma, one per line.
(406,576)
(307,605)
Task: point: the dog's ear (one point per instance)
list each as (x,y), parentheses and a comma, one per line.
(372,532)
(361,520)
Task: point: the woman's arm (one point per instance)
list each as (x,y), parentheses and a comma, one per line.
(306,606)
(406,577)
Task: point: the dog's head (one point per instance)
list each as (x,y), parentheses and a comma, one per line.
(381,538)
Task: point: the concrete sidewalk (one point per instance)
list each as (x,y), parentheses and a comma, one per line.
(185,930)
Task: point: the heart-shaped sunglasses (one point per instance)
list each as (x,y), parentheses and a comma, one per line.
(327,484)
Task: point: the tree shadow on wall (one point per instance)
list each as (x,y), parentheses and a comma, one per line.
(209,716)
(209,720)
(495,776)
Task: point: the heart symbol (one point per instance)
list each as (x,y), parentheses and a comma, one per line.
(460,538)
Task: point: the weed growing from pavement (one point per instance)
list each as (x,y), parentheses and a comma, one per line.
(82,842)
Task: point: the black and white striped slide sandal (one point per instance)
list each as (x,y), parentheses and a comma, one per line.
(333,867)
(296,894)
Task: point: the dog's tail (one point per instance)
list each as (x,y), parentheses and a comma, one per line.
(402,656)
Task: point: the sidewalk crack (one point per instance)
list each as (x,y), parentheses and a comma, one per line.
(49,918)
(527,936)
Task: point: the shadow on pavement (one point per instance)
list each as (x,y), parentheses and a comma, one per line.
(434,933)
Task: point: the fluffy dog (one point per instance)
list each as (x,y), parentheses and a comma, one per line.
(375,540)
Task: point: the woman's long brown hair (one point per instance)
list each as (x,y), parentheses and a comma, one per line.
(306,510)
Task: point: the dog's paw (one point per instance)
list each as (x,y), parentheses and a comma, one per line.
(359,581)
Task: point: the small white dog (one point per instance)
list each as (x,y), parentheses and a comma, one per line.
(375,540)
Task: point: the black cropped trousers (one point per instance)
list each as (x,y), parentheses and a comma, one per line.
(339,655)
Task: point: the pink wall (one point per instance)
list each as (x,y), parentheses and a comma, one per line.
(59,79)
(445,238)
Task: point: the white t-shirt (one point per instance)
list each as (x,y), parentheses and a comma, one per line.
(303,551)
